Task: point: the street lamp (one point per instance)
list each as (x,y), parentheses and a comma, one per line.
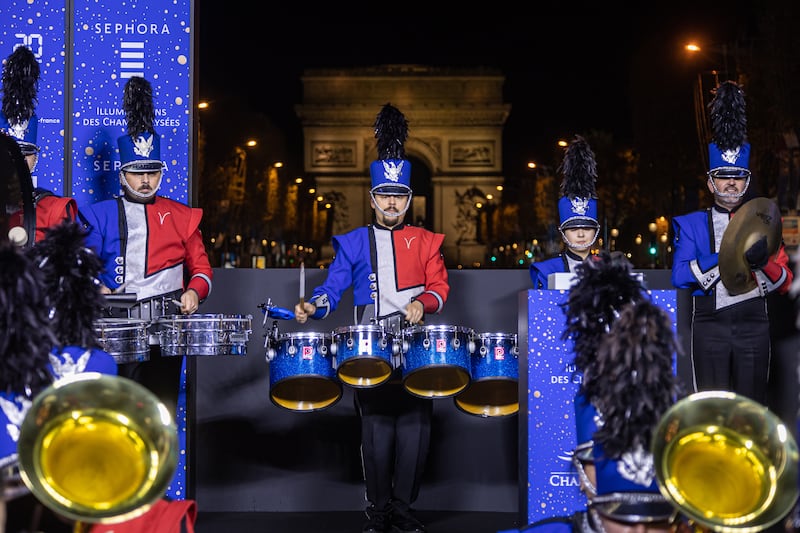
(614,234)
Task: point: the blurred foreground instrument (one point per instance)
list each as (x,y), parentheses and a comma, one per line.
(97,448)
(756,218)
(726,461)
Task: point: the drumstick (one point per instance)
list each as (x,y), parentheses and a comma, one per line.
(120,288)
(302,284)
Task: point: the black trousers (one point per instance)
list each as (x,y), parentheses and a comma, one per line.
(395,438)
(160,375)
(731,347)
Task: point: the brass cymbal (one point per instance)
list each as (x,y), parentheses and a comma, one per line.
(756,218)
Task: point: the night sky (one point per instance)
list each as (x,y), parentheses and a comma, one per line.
(567,71)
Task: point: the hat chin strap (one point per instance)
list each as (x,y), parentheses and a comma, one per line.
(726,194)
(136,195)
(391,215)
(578,246)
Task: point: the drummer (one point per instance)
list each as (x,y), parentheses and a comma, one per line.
(151,246)
(398,275)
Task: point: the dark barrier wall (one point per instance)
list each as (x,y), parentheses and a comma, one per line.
(247,454)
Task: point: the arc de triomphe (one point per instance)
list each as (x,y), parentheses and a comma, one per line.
(456,119)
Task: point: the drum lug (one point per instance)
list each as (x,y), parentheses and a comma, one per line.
(270,355)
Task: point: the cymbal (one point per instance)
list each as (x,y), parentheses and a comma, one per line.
(756,218)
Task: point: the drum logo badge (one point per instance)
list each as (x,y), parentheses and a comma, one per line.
(441,345)
(499,353)
(308,352)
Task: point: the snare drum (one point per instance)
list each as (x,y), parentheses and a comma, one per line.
(436,360)
(494,389)
(302,375)
(204,334)
(125,339)
(363,355)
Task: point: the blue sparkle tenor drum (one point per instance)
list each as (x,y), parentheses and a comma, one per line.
(494,389)
(302,372)
(364,355)
(436,360)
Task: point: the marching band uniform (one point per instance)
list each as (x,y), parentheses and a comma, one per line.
(731,346)
(389,268)
(577,209)
(150,246)
(566,261)
(169,229)
(407,266)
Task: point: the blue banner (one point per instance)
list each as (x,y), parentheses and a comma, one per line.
(113,42)
(40,25)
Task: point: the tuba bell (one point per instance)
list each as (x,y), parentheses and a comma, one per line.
(97,448)
(726,462)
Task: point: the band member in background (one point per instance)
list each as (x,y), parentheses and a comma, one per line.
(18,120)
(398,274)
(731,347)
(150,245)
(577,211)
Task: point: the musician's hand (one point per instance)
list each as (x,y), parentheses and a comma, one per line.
(414,312)
(105,290)
(190,301)
(757,255)
(302,312)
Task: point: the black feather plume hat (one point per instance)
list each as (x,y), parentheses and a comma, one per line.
(140,149)
(391,172)
(577,207)
(729,151)
(71,282)
(20,95)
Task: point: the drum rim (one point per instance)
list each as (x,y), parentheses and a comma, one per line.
(204,317)
(496,334)
(111,323)
(438,327)
(361,327)
(303,335)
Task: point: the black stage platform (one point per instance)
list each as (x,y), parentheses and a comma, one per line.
(348,522)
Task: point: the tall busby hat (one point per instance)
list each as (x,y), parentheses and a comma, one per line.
(729,151)
(71,273)
(632,384)
(140,149)
(391,172)
(578,206)
(20,87)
